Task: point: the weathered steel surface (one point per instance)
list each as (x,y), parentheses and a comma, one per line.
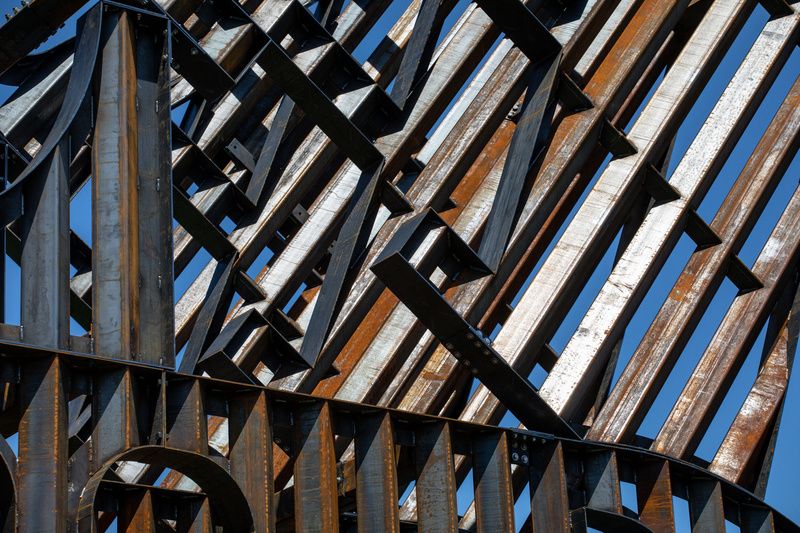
(408,233)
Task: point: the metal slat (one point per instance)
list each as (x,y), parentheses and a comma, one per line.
(706,511)
(115,423)
(376,476)
(549,505)
(42,457)
(250,455)
(436,483)
(115,264)
(315,495)
(45,254)
(494,499)
(136,513)
(154,197)
(654,496)
(652,360)
(590,347)
(700,398)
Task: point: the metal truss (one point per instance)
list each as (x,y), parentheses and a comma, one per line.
(377,256)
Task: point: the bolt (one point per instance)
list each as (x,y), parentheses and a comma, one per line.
(524,459)
(515,456)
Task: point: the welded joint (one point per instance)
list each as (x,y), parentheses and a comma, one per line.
(657,186)
(700,232)
(742,276)
(572,97)
(615,141)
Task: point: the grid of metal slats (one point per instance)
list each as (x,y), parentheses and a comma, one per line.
(315,285)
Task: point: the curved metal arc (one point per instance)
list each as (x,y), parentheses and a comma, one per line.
(86,50)
(225,496)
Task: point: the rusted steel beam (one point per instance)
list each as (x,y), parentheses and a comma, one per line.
(534,318)
(725,354)
(596,484)
(549,505)
(42,457)
(447,160)
(376,476)
(750,430)
(136,513)
(528,141)
(756,519)
(589,348)
(45,254)
(494,500)
(436,483)
(335,462)
(654,496)
(250,455)
(154,195)
(315,494)
(602,482)
(184,416)
(115,264)
(115,423)
(651,362)
(706,508)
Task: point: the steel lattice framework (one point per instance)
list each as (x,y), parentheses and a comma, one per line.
(378,255)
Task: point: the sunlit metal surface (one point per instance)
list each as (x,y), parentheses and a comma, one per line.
(317,280)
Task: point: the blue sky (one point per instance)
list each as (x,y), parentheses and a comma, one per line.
(780,492)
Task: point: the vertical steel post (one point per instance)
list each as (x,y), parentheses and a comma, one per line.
(436,480)
(115,264)
(45,253)
(42,458)
(494,498)
(250,443)
(136,513)
(316,507)
(654,496)
(376,477)
(154,194)
(549,505)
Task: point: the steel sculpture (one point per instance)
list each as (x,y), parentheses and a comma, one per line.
(378,256)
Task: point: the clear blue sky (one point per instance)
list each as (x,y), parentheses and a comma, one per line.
(781,492)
